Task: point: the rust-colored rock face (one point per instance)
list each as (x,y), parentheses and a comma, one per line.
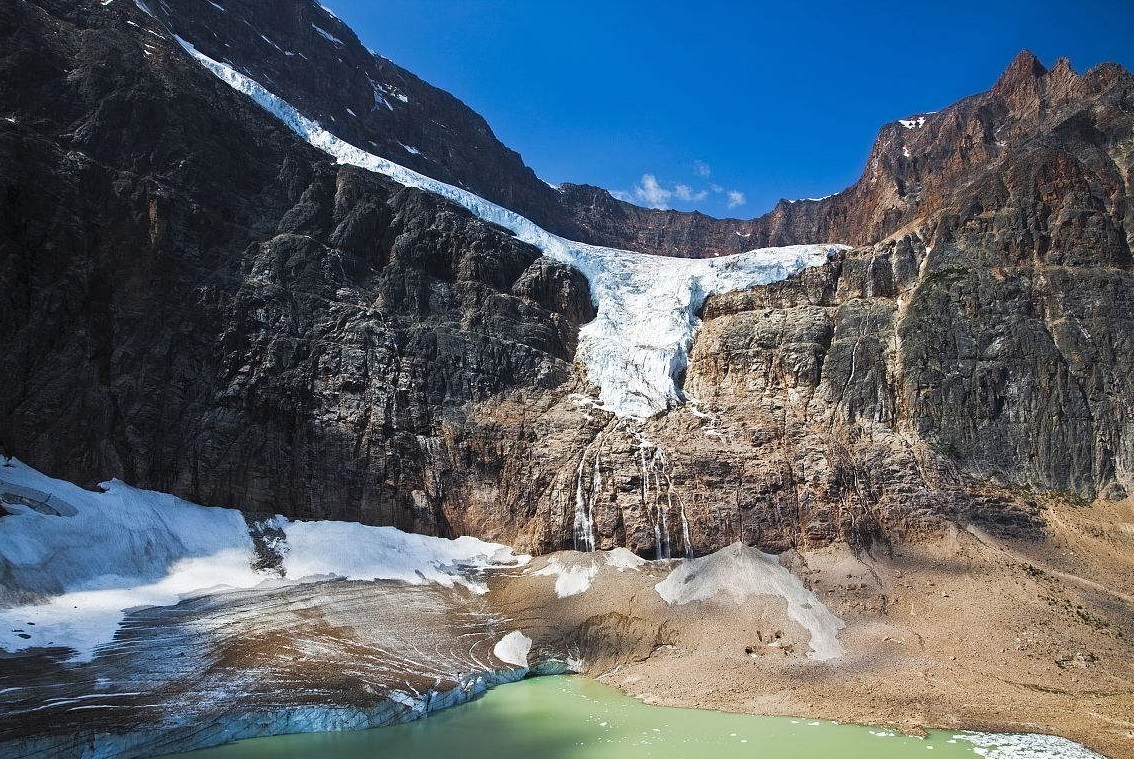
(193,300)
(970,365)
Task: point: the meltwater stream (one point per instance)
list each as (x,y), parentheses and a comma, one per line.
(577,718)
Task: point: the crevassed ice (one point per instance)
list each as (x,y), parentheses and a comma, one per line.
(639,342)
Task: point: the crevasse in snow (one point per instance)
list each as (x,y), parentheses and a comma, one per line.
(73,561)
(639,342)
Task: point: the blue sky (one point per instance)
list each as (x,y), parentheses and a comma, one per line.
(720,106)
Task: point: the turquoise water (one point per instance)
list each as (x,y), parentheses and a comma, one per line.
(560,717)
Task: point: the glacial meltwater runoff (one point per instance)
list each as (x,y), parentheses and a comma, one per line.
(576,718)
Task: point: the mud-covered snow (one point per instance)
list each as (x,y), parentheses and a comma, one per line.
(743,571)
(639,342)
(623,559)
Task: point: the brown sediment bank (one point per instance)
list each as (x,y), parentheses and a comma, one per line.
(969,631)
(965,631)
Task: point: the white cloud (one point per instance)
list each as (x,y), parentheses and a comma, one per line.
(652,193)
(686,193)
(702,169)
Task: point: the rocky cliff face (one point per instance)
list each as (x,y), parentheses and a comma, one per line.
(968,367)
(197,302)
(194,299)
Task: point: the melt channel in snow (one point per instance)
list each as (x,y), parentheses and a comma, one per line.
(647,305)
(74,561)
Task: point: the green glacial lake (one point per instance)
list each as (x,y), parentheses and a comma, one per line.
(561,717)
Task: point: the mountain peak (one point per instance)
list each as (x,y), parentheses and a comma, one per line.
(1025,67)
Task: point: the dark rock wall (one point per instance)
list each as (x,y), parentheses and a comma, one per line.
(195,301)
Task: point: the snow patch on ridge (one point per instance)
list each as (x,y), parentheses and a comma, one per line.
(74,561)
(639,342)
(326,35)
(743,571)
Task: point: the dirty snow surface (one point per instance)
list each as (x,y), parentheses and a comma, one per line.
(74,561)
(570,580)
(742,572)
(639,343)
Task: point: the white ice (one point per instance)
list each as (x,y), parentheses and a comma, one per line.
(326,35)
(575,572)
(85,558)
(362,552)
(570,580)
(647,305)
(513,648)
(1025,746)
(743,571)
(96,554)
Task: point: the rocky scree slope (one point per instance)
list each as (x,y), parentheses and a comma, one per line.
(269,331)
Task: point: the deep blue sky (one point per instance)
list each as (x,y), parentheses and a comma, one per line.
(776,99)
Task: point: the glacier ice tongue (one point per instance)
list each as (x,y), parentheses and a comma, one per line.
(74,561)
(639,342)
